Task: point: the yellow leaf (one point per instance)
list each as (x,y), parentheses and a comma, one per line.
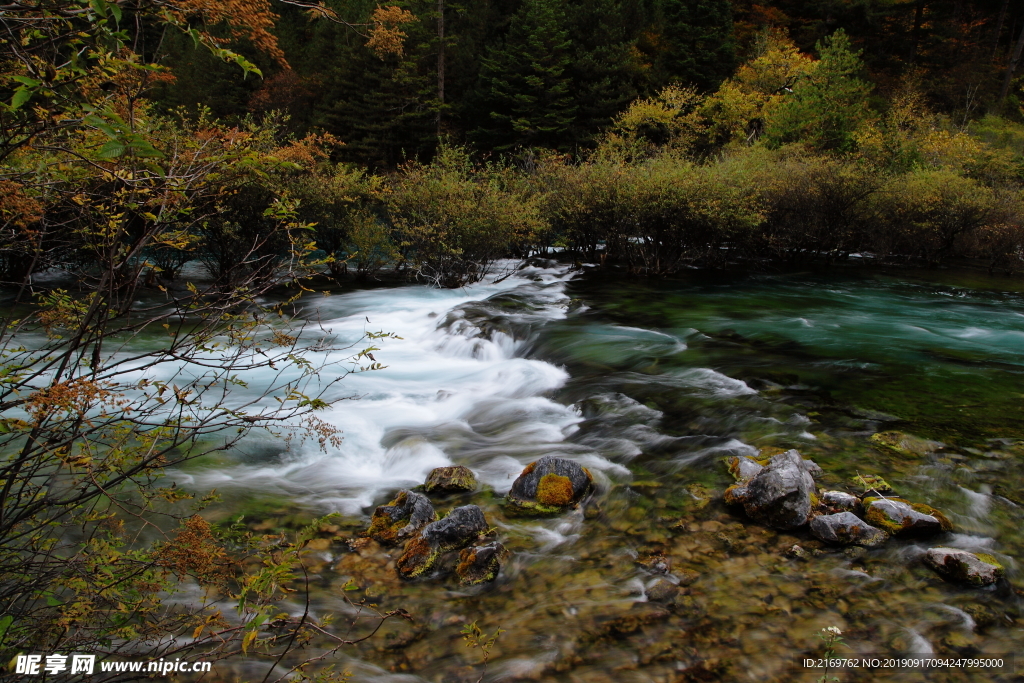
(248,639)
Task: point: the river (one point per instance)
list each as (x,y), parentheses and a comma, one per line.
(652,385)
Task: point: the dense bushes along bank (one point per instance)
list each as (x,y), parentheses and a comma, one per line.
(785,163)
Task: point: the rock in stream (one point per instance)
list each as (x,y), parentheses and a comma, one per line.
(480,564)
(900,517)
(964,567)
(457,479)
(778,495)
(845,528)
(460,528)
(401,518)
(548,486)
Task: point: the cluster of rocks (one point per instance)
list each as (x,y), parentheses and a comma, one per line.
(548,486)
(779,491)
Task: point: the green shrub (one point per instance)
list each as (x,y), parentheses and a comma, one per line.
(935,214)
(453,219)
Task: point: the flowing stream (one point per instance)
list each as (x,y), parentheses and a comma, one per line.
(651,385)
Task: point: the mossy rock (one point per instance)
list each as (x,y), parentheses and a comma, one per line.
(459,528)
(554,490)
(766,453)
(974,569)
(780,494)
(897,516)
(480,564)
(735,494)
(402,517)
(702,495)
(445,480)
(845,528)
(872,482)
(418,558)
(547,487)
(902,444)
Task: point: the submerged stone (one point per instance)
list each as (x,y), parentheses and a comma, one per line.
(701,495)
(898,516)
(978,569)
(461,527)
(845,528)
(662,590)
(480,564)
(401,518)
(780,494)
(457,479)
(798,553)
(548,486)
(903,444)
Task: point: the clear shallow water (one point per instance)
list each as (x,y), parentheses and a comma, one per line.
(651,385)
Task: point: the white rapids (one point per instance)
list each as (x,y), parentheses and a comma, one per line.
(454,390)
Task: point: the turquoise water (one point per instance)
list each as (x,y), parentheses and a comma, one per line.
(652,384)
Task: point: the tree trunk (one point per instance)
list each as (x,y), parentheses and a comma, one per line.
(440,63)
(999,27)
(915,36)
(1011,67)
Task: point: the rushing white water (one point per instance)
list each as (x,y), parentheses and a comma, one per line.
(454,390)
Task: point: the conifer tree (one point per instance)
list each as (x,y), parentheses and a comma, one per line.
(607,71)
(524,92)
(696,44)
(828,104)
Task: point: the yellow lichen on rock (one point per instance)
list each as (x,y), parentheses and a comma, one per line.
(554,489)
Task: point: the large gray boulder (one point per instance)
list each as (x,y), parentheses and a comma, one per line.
(964,567)
(460,528)
(548,486)
(401,518)
(780,494)
(845,528)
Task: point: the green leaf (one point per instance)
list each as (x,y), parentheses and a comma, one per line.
(25,80)
(21,96)
(116,11)
(143,148)
(112,149)
(5,623)
(258,621)
(102,125)
(99,7)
